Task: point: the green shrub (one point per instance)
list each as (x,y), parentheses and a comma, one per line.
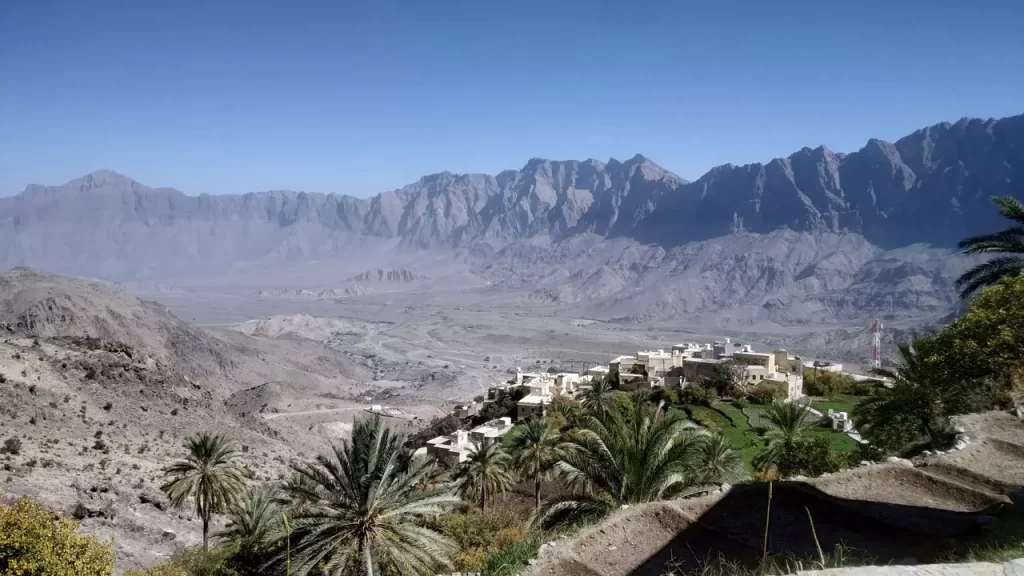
(812,457)
(480,535)
(35,542)
(767,392)
(670,396)
(697,395)
(867,453)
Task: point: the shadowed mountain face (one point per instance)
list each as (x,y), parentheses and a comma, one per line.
(931,187)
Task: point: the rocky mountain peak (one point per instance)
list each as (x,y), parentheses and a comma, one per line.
(103,179)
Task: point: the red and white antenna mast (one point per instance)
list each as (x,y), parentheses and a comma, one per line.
(876,344)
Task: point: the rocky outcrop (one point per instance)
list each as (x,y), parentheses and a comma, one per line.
(381,275)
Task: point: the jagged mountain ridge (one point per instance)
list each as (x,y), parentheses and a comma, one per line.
(931,186)
(625,240)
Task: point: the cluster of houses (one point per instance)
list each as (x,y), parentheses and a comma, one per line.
(679,367)
(691,362)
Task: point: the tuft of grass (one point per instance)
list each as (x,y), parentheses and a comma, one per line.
(1001,540)
(840,557)
(512,557)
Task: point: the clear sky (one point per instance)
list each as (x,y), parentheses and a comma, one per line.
(242,95)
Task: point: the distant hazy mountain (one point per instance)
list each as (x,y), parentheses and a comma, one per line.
(931,187)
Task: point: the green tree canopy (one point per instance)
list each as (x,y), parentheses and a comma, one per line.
(363,510)
(535,447)
(209,475)
(486,472)
(641,456)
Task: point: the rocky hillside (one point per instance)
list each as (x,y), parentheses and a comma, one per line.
(99,389)
(44,305)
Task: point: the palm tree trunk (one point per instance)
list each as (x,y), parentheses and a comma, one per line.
(536,491)
(483,497)
(206,533)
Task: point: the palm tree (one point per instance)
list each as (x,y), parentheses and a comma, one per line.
(599,398)
(253,524)
(535,448)
(486,471)
(363,508)
(644,456)
(209,475)
(911,409)
(720,462)
(1008,242)
(787,423)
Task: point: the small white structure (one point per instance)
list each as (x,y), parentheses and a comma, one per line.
(840,421)
(454,448)
(491,429)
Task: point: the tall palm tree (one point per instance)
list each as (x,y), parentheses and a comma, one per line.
(363,508)
(1008,242)
(535,448)
(254,523)
(210,475)
(644,456)
(787,423)
(599,399)
(487,471)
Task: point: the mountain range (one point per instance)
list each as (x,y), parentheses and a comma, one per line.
(817,224)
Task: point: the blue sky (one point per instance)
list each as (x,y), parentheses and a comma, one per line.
(236,96)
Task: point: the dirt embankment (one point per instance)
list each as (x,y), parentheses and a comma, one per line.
(889,511)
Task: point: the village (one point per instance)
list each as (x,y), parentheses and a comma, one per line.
(683,365)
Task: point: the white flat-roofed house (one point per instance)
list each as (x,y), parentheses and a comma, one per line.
(543,391)
(657,363)
(450,448)
(532,405)
(491,429)
(454,448)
